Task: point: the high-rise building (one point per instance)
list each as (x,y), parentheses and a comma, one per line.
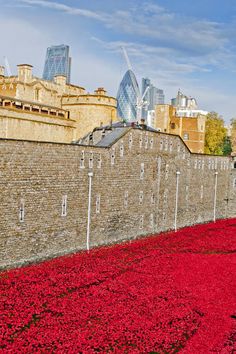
(153,97)
(58,62)
(182,101)
(127,96)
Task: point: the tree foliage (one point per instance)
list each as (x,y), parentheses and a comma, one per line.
(233,123)
(227,146)
(233,134)
(215,136)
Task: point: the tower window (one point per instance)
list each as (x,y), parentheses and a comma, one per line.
(64,206)
(151,143)
(141,222)
(121,149)
(22,211)
(91,160)
(186,136)
(141,140)
(146,142)
(126,196)
(130,140)
(142,171)
(98,203)
(99,161)
(82,160)
(141,197)
(234,183)
(113,157)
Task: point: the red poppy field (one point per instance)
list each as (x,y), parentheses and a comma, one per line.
(175,292)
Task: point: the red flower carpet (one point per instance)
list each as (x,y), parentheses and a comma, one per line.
(175,292)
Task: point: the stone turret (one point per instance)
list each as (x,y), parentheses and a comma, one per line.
(2,71)
(25,72)
(60,80)
(100,91)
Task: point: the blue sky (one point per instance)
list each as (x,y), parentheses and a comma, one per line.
(176,43)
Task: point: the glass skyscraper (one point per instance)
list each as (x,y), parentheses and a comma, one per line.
(153,97)
(57,62)
(127,97)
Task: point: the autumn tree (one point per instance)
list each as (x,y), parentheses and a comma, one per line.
(233,134)
(215,134)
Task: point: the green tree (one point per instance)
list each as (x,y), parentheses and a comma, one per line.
(233,123)
(227,146)
(233,135)
(215,134)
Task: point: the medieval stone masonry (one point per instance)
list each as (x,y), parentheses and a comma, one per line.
(60,198)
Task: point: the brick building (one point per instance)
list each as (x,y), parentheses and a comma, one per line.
(189,125)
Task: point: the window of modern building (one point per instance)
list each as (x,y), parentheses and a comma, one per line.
(57,62)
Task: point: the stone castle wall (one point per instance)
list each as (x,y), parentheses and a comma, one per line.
(45,192)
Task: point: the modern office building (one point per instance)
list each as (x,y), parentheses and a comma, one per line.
(153,97)
(58,62)
(182,102)
(127,96)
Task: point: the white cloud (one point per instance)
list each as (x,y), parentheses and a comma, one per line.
(162,45)
(67,9)
(194,37)
(161,23)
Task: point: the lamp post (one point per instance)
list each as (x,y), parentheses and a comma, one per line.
(215,195)
(90,175)
(176,198)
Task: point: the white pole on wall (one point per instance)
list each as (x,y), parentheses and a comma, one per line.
(90,175)
(176,198)
(215,194)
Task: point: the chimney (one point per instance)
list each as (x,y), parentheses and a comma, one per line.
(100,91)
(25,72)
(2,71)
(60,80)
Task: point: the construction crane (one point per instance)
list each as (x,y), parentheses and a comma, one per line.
(141,103)
(7,66)
(126,58)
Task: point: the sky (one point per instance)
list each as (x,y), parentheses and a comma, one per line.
(178,44)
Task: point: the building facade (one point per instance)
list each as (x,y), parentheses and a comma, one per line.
(189,125)
(36,109)
(182,101)
(57,62)
(127,97)
(153,96)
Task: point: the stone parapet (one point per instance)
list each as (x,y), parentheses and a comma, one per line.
(142,183)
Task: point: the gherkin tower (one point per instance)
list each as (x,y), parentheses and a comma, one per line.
(127,96)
